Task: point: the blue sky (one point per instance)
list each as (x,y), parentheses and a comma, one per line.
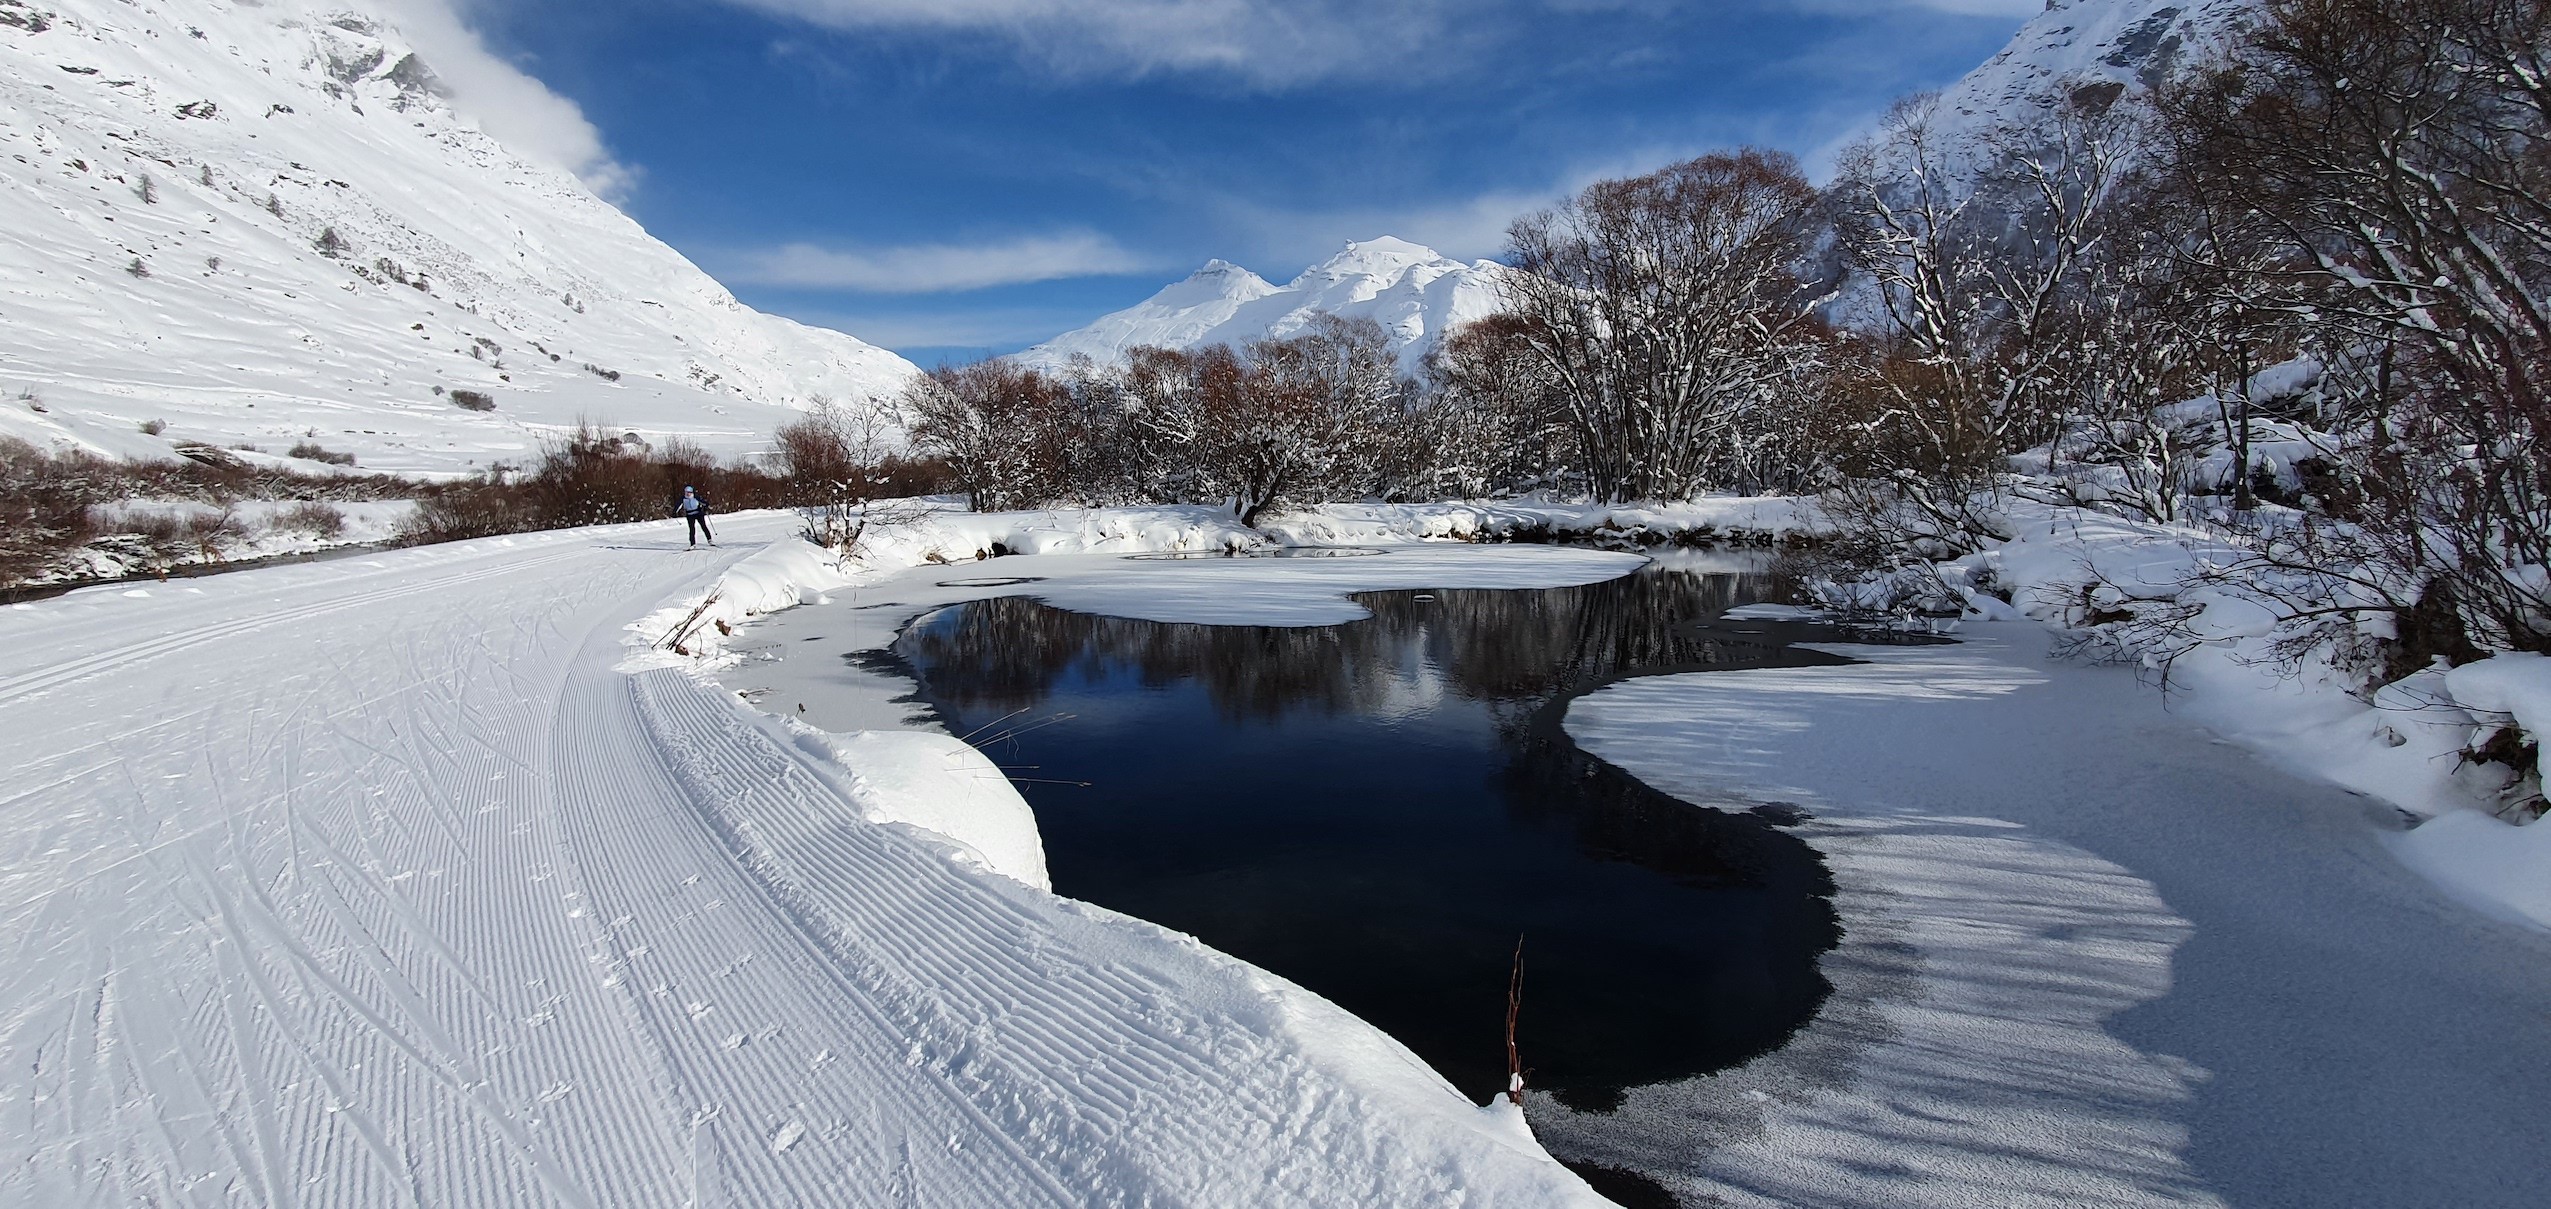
(950,177)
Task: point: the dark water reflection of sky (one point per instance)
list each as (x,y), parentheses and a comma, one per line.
(1377,811)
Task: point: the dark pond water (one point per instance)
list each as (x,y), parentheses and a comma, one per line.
(1379,810)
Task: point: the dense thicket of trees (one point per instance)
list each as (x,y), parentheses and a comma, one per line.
(2079,304)
(1667,312)
(1323,414)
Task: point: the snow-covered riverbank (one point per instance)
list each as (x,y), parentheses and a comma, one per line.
(384,881)
(2093,955)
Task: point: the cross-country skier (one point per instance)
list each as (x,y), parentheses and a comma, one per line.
(695,513)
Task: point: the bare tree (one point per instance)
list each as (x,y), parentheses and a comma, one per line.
(1306,420)
(995,423)
(1492,419)
(1662,307)
(1980,268)
(839,458)
(2401,149)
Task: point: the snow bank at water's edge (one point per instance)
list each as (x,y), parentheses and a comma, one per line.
(938,784)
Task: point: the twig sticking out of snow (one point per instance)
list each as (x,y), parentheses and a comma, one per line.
(682,632)
(1514,1006)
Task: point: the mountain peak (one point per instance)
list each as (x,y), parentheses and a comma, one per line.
(1217,280)
(1382,257)
(1387,247)
(1223,303)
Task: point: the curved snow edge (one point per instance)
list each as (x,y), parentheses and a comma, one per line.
(950,792)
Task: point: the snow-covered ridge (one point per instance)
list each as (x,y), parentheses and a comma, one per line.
(1416,293)
(264,223)
(2106,51)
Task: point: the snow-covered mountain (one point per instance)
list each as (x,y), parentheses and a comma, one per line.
(1416,294)
(261,222)
(2111,50)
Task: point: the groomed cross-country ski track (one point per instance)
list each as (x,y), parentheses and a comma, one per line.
(373,882)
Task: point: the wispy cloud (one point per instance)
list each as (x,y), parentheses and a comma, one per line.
(505,101)
(1466,227)
(939,268)
(1267,43)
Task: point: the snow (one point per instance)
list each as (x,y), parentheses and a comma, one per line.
(1749,519)
(321,107)
(1416,293)
(943,786)
(379,881)
(2073,45)
(2404,746)
(2092,955)
(2514,683)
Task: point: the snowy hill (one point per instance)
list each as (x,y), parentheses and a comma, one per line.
(262,223)
(1416,294)
(2113,48)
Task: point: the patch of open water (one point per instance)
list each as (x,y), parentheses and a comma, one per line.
(1379,810)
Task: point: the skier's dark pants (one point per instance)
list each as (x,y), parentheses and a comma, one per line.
(699,528)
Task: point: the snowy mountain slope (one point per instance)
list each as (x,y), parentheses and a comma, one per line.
(2114,49)
(316,888)
(2104,54)
(263,223)
(1414,292)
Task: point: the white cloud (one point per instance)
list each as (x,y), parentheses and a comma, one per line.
(1468,227)
(506,102)
(1276,43)
(1264,42)
(939,267)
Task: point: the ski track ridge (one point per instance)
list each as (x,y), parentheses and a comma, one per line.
(380,885)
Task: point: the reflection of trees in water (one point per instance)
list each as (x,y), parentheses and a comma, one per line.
(1517,651)
(1503,646)
(1623,1017)
(1006,654)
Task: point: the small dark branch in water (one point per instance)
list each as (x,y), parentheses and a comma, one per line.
(968,737)
(1013,732)
(1514,1006)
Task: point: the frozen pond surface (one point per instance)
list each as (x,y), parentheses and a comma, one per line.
(1379,809)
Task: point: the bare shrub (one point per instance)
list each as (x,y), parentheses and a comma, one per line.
(167,537)
(474,400)
(315,452)
(590,477)
(323,521)
(458,512)
(838,458)
(154,427)
(1492,419)
(41,524)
